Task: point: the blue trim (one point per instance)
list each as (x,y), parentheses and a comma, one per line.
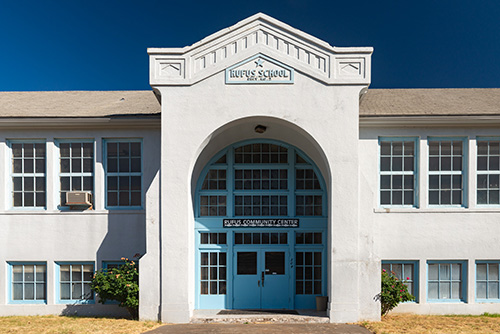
(105,165)
(485,300)
(415,173)
(463,281)
(416,273)
(214,223)
(58,284)
(10,299)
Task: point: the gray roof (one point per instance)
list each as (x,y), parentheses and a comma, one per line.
(431,102)
(78,104)
(376,102)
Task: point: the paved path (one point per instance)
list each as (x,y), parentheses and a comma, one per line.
(261,328)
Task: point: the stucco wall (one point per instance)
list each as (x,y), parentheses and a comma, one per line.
(54,236)
(201,119)
(428,233)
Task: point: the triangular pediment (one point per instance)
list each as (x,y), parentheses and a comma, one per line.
(264,35)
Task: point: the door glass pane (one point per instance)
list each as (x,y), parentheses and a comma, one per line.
(247,263)
(275,263)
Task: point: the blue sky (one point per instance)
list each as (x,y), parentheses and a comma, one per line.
(101,45)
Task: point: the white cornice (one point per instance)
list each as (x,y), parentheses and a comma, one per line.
(430,121)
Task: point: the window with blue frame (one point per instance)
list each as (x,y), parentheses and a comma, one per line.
(488,171)
(123,159)
(398,172)
(256,179)
(74,282)
(28,174)
(446,171)
(28,282)
(76,172)
(446,280)
(213,273)
(406,271)
(487,280)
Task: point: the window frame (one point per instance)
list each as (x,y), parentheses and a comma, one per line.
(59,300)
(486,300)
(416,273)
(105,142)
(484,172)
(10,281)
(464,172)
(463,281)
(59,141)
(10,142)
(415,173)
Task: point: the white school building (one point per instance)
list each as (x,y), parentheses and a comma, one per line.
(259,173)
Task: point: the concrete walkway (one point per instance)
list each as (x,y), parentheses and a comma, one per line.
(261,328)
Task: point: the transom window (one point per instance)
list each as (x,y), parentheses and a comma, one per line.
(28,174)
(260,180)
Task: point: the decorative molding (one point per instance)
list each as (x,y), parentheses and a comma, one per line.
(260,34)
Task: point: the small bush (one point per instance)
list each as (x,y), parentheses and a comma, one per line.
(394,291)
(120,284)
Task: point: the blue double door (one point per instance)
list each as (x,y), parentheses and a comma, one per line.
(261,278)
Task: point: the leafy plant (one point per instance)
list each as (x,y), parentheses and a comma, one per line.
(120,284)
(393,292)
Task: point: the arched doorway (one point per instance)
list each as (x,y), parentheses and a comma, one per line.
(260,229)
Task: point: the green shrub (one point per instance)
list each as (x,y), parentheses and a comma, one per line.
(394,291)
(120,284)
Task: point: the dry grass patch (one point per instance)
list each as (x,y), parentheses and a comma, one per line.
(72,325)
(406,323)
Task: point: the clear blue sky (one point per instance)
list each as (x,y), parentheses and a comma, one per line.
(101,45)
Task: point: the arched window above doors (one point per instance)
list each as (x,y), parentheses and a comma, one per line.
(260,179)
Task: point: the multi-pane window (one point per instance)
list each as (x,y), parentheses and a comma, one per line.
(260,205)
(261,180)
(445,281)
(123,173)
(488,171)
(76,170)
(29,282)
(487,280)
(446,172)
(261,153)
(403,271)
(28,174)
(212,238)
(247,238)
(397,171)
(308,238)
(74,282)
(213,273)
(308,273)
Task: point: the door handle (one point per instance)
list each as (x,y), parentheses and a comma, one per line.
(263,279)
(258,283)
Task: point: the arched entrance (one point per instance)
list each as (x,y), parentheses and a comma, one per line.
(260,229)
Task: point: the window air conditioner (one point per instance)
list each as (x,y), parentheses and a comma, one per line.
(79,198)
